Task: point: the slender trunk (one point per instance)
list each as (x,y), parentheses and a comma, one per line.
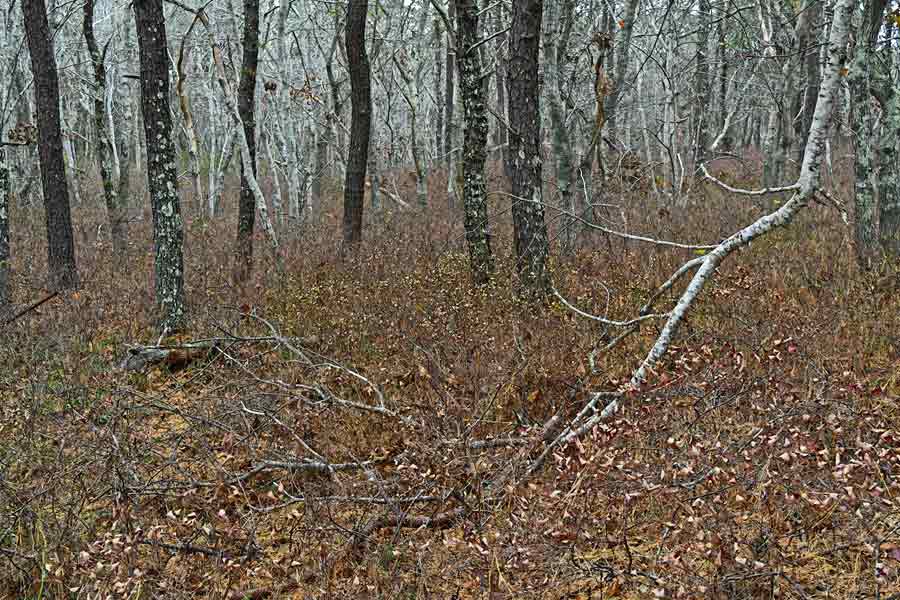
(288,132)
(247,160)
(411,91)
(524,156)
(865,123)
(439,78)
(217,175)
(123,182)
(449,95)
(4,233)
(372,169)
(71,163)
(104,144)
(701,122)
(243,260)
(472,92)
(501,136)
(193,145)
(60,242)
(361,122)
(321,165)
(622,51)
(554,46)
(809,48)
(168,229)
(722,104)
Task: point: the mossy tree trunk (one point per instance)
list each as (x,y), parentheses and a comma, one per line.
(473,96)
(168,228)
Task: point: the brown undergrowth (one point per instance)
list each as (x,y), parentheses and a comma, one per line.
(361,426)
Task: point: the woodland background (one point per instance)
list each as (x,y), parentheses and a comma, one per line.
(449,299)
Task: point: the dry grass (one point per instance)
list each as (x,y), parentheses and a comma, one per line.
(761,461)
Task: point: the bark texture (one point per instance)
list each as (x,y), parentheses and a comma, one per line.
(472,92)
(60,243)
(168,229)
(246,100)
(523,160)
(361,119)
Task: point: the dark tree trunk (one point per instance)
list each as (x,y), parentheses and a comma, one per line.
(168,229)
(246,99)
(472,94)
(4,233)
(60,244)
(361,119)
(524,156)
(104,141)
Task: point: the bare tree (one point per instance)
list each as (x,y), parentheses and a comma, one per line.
(361,120)
(60,242)
(168,229)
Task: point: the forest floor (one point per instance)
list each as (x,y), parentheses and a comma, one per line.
(762,460)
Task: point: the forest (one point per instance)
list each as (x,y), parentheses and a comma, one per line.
(452,299)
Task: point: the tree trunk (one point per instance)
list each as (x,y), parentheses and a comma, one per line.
(809,49)
(501,136)
(246,102)
(190,132)
(472,92)
(556,45)
(4,233)
(702,122)
(360,125)
(524,155)
(439,78)
(449,94)
(865,89)
(104,144)
(168,229)
(60,243)
(622,51)
(323,136)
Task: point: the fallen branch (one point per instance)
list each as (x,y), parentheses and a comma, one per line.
(31,307)
(141,357)
(438,521)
